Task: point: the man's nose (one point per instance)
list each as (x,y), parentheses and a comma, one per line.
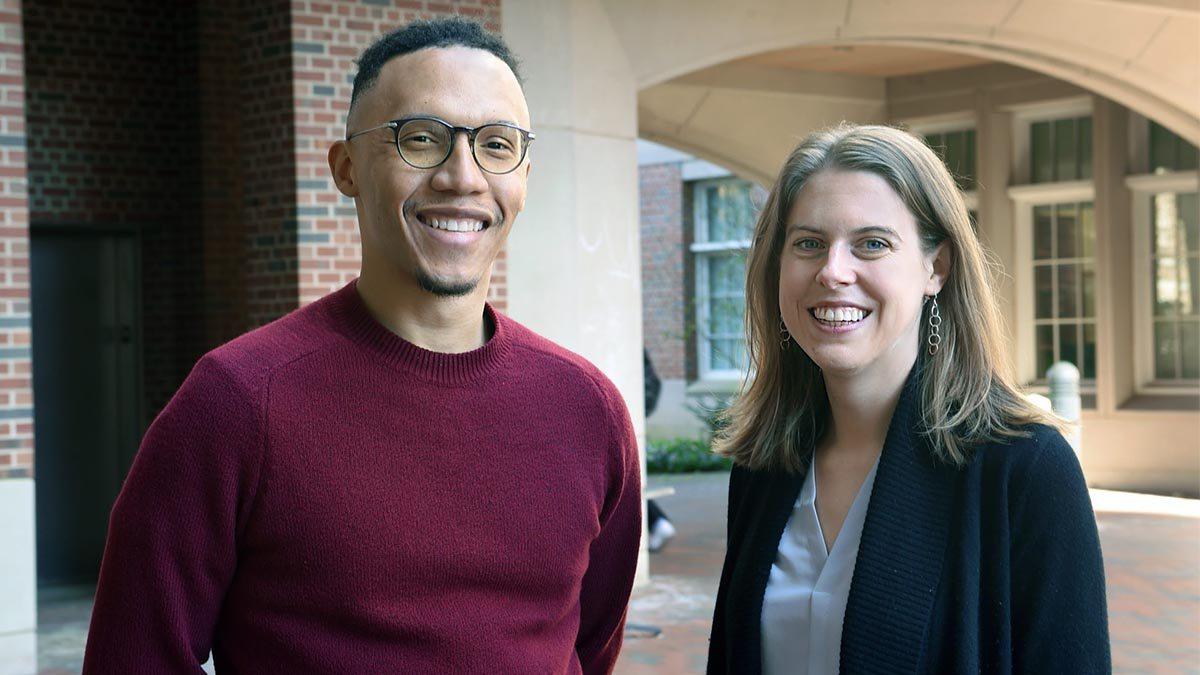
(459,173)
(838,269)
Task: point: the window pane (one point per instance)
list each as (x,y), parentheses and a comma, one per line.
(721,356)
(1041,153)
(1068,344)
(1166,286)
(956,154)
(726,277)
(725,317)
(1066,154)
(1045,349)
(1164,350)
(1088,285)
(1087,226)
(726,302)
(726,274)
(1043,284)
(1190,301)
(1189,349)
(1085,147)
(1187,156)
(1164,217)
(1089,352)
(1068,287)
(1162,148)
(969,168)
(1187,206)
(730,213)
(1043,233)
(1068,232)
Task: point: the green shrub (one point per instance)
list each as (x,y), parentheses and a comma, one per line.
(683,455)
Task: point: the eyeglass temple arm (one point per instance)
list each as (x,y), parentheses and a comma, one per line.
(385,125)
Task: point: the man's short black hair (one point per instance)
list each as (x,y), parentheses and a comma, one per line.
(422,35)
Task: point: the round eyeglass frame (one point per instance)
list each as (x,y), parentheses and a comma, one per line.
(395,125)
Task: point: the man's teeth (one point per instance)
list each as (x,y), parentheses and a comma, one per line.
(455,225)
(849,314)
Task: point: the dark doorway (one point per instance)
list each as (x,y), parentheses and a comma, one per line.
(86,388)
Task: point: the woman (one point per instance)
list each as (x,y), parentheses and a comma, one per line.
(896,505)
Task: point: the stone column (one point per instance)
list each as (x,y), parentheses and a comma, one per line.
(574,272)
(994,139)
(1114,265)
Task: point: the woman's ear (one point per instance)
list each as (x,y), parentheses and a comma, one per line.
(939,268)
(341,166)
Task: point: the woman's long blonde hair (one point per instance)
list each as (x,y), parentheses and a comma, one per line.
(967,396)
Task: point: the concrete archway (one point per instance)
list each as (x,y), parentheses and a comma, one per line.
(1142,54)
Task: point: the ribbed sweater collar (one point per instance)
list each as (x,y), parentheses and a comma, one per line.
(351,317)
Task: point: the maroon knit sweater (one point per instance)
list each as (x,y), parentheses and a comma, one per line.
(322,496)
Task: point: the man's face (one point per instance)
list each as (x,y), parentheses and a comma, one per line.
(423,224)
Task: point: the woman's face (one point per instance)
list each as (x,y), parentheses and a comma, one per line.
(853,276)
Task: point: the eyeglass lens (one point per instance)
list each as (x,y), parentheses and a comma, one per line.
(426,143)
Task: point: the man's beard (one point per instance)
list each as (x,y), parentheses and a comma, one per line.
(444,287)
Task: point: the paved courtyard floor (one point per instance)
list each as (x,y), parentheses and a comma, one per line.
(1151,554)
(1151,558)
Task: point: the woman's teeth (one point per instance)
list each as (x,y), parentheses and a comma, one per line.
(838,314)
(455,225)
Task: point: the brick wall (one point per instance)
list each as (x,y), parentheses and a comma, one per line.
(223,96)
(202,128)
(663,299)
(267,142)
(16,391)
(113,147)
(328,36)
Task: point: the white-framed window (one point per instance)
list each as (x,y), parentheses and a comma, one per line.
(1064,286)
(1052,142)
(954,139)
(1166,267)
(723,216)
(1056,265)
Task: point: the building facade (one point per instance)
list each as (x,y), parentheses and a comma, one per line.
(1088,208)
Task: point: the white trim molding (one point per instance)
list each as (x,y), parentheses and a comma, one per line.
(18,577)
(1144,187)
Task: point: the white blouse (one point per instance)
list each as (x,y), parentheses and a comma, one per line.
(806,594)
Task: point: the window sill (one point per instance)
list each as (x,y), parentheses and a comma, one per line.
(714,386)
(1163,402)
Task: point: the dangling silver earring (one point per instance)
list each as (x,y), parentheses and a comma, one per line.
(935,322)
(783,341)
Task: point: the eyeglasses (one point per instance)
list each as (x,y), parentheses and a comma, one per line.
(426,142)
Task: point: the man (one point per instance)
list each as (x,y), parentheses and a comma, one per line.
(396,478)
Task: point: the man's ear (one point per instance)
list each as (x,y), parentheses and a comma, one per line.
(942,261)
(341,166)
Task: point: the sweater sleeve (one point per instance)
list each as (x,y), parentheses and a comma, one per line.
(612,558)
(171,547)
(1059,611)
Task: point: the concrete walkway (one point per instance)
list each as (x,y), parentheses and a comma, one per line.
(1151,558)
(1151,554)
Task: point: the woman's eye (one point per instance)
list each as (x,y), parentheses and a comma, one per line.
(875,245)
(807,244)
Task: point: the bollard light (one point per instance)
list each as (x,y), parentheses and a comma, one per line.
(1065,400)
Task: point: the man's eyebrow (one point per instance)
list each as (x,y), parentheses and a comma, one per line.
(438,117)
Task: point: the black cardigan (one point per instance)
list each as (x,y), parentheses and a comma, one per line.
(991,568)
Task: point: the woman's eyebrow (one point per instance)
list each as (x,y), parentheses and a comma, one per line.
(866,229)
